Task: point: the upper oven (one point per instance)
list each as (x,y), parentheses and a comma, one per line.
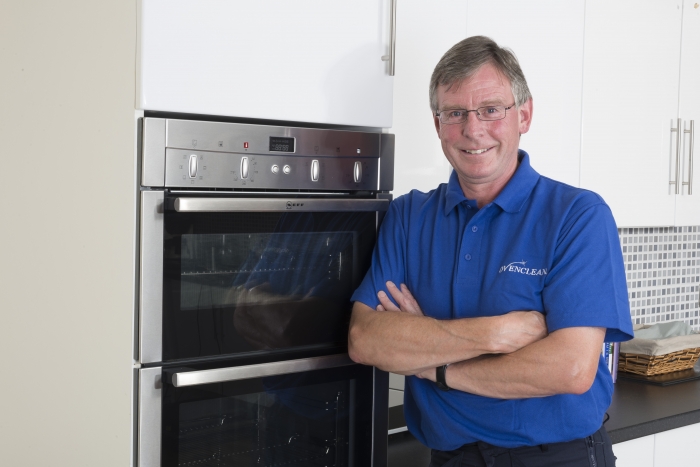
(253,237)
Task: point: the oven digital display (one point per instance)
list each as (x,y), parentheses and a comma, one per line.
(280,144)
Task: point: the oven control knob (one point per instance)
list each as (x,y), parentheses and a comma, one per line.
(275,168)
(193,166)
(314,171)
(286,169)
(358,172)
(244,167)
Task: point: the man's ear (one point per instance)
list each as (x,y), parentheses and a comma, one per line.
(525,116)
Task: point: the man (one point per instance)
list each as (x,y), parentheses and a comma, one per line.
(495,292)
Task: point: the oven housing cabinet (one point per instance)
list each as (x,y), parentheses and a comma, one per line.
(252,238)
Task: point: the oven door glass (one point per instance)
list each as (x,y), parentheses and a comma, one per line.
(243,282)
(314,418)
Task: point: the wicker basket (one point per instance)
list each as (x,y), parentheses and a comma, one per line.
(649,365)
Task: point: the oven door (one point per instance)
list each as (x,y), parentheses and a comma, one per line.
(236,276)
(322,411)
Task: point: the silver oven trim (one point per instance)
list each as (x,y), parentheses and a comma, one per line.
(278,205)
(151,277)
(153,157)
(150,417)
(220,375)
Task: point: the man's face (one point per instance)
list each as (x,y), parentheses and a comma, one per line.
(484,154)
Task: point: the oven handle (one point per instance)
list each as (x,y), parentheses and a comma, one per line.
(220,375)
(277,205)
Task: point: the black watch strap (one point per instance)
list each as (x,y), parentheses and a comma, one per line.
(440,377)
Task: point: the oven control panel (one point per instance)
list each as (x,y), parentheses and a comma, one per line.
(201,169)
(200,154)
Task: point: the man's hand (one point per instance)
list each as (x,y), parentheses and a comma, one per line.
(517,330)
(407,303)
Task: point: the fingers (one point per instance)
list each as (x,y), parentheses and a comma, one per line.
(397,295)
(411,301)
(385,302)
(404,299)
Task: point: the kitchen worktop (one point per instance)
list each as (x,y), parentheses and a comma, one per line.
(637,410)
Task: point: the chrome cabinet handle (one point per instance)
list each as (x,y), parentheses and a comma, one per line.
(220,375)
(677,130)
(391,58)
(278,205)
(691,143)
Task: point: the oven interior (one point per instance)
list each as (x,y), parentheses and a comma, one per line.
(287,420)
(237,283)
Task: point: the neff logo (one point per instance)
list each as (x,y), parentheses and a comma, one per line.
(519,267)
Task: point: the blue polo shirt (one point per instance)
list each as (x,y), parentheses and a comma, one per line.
(540,245)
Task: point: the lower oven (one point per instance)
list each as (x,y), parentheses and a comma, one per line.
(252,240)
(308,412)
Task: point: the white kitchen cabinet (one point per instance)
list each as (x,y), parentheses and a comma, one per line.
(677,448)
(424,32)
(672,448)
(213,57)
(687,204)
(631,101)
(635,452)
(547,37)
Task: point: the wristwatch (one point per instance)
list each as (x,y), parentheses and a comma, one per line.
(440,377)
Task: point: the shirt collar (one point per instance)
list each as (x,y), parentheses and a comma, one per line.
(511,198)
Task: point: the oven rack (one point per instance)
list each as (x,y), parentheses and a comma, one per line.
(246,271)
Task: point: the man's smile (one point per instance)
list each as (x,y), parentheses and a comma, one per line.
(475,151)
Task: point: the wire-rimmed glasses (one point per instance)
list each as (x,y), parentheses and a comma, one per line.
(487,113)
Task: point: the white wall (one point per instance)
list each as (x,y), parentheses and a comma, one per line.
(67,197)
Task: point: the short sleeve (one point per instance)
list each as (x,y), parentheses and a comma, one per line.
(586,285)
(388,257)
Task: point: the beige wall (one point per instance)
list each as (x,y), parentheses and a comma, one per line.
(66,199)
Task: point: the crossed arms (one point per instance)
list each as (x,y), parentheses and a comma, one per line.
(508,357)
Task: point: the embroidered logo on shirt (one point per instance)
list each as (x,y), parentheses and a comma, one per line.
(519,268)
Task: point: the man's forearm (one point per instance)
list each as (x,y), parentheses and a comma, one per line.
(409,344)
(564,362)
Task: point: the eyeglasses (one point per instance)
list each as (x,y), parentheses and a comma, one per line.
(485,114)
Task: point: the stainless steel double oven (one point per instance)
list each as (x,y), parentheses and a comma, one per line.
(252,240)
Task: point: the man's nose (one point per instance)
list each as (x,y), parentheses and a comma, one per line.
(472,124)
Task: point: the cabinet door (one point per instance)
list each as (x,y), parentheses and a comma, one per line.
(310,61)
(550,52)
(630,96)
(635,453)
(688,205)
(677,448)
(424,32)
